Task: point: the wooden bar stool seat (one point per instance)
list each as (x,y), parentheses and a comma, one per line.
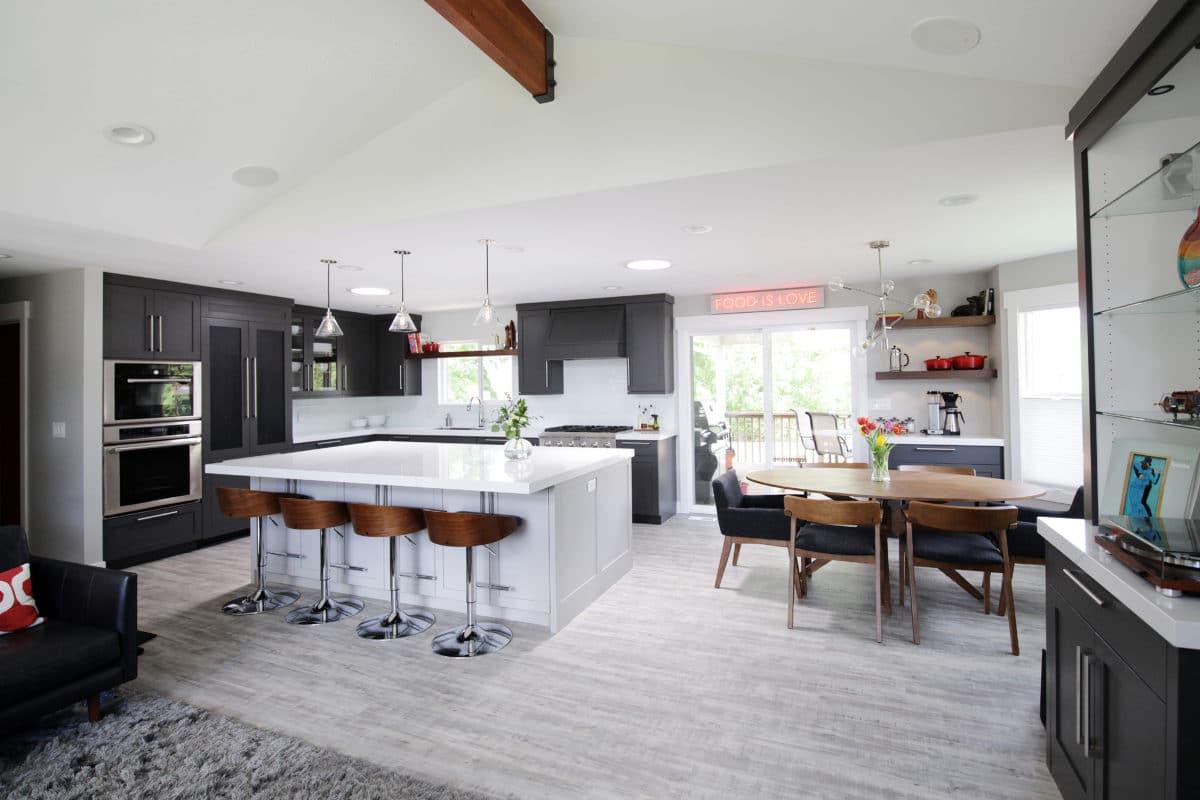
(470,530)
(319,515)
(252,504)
(393,522)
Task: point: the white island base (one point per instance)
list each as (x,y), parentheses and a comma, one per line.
(573,544)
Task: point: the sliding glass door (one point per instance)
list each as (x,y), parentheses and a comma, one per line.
(750,390)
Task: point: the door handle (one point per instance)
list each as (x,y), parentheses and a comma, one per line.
(1083,588)
(1086,691)
(156,516)
(246,391)
(160,336)
(254,383)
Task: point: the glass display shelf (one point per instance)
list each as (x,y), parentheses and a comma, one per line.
(1184,301)
(1152,195)
(1155,417)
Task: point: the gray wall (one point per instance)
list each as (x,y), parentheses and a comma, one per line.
(65,514)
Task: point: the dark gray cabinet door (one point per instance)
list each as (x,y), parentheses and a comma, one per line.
(270,428)
(1128,725)
(177,325)
(358,356)
(536,375)
(650,347)
(227,404)
(395,372)
(128,321)
(135,538)
(1068,639)
(216,524)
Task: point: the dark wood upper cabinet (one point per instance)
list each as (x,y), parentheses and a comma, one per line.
(536,374)
(650,347)
(358,355)
(395,372)
(145,323)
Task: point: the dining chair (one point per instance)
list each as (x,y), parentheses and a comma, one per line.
(959,538)
(947,469)
(1025,544)
(827,438)
(746,519)
(836,531)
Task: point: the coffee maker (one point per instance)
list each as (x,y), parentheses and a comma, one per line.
(952,416)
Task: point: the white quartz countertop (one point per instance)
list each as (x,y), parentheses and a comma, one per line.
(950,441)
(1176,619)
(305,438)
(428,465)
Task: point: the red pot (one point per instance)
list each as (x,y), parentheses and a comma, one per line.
(938,363)
(968,361)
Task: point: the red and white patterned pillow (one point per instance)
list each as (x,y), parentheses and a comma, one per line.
(17,609)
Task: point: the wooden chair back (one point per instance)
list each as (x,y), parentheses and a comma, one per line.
(312,515)
(949,469)
(468,529)
(833,512)
(964,519)
(248,503)
(373,520)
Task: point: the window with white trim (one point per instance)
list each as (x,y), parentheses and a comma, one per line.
(1050,385)
(487,377)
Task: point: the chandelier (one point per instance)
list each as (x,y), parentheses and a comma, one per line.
(885,320)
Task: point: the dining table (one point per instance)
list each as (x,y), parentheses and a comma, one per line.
(902,486)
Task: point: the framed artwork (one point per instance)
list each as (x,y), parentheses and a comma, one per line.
(1144,484)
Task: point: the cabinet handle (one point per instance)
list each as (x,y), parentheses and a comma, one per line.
(160,336)
(935,449)
(346,378)
(417,576)
(287,555)
(547,374)
(497,586)
(1083,588)
(254,383)
(246,392)
(1087,704)
(1078,695)
(329,441)
(150,332)
(157,516)
(400,371)
(349,567)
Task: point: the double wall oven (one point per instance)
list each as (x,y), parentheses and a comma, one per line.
(152,441)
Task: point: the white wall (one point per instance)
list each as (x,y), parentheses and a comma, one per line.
(65,511)
(594,392)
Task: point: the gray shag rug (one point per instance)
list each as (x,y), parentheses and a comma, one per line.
(155,748)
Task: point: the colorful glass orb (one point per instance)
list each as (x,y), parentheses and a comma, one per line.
(1189,255)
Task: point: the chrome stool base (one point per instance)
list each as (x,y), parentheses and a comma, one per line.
(483,638)
(260,600)
(396,624)
(327,610)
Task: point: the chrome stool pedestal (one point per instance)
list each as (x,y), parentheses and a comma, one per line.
(252,504)
(475,638)
(397,623)
(319,515)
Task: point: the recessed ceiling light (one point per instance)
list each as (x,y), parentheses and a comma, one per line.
(515,248)
(952,200)
(131,135)
(255,176)
(230,283)
(647,264)
(369,291)
(697,229)
(5,255)
(1164,88)
(349,268)
(613,288)
(916,262)
(945,36)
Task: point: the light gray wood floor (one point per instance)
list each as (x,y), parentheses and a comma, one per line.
(664,688)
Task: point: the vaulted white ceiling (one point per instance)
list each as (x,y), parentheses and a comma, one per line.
(798,130)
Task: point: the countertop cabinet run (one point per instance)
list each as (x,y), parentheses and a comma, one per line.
(147,323)
(1123,705)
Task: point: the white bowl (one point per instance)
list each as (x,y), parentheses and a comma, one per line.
(377,420)
(358,422)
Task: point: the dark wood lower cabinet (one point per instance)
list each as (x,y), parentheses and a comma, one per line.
(653,477)
(135,538)
(988,461)
(1122,703)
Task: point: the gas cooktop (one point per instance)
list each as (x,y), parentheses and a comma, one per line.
(587,429)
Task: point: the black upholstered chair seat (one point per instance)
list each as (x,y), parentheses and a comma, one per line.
(749,516)
(842,540)
(1025,542)
(955,548)
(41,658)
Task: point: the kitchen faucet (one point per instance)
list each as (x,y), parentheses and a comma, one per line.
(480,402)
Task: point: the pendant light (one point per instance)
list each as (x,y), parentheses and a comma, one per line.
(879,332)
(329,326)
(487,312)
(402,322)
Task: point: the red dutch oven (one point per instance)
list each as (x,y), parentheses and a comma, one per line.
(938,363)
(968,361)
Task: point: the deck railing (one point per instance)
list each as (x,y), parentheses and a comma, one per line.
(747,436)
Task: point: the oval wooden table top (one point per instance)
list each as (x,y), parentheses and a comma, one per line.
(937,486)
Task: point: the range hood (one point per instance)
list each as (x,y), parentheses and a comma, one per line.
(586,332)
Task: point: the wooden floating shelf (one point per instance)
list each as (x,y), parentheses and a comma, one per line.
(945,322)
(465,354)
(939,375)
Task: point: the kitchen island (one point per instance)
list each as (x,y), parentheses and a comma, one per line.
(573,544)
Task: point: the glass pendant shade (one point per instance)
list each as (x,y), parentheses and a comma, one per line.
(487,314)
(402,322)
(329,326)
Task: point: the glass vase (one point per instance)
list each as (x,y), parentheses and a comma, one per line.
(517,449)
(879,468)
(1189,255)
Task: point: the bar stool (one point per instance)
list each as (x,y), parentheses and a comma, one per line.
(393,522)
(252,504)
(313,515)
(470,530)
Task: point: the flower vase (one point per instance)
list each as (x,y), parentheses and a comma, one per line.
(1189,255)
(517,449)
(879,468)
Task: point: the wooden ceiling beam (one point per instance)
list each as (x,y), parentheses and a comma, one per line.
(511,36)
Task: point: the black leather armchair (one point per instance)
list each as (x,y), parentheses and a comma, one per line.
(747,519)
(1025,544)
(87,644)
